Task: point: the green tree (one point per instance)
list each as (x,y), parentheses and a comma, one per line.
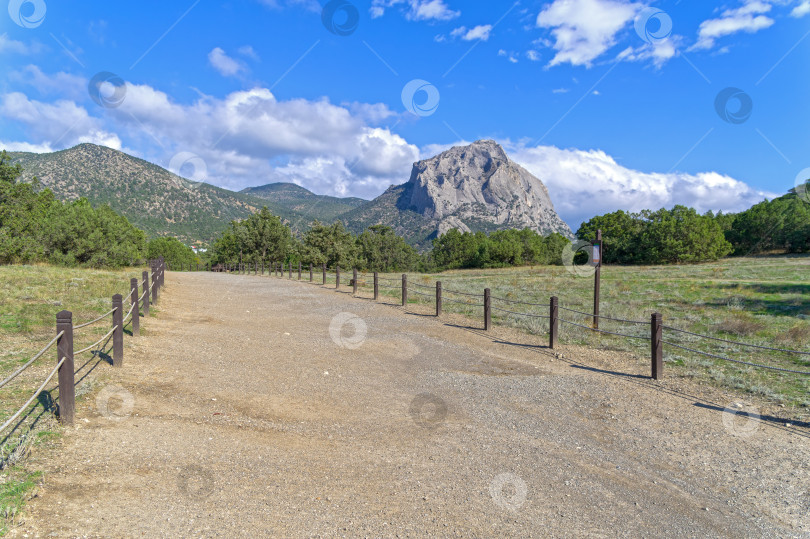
(380,249)
(176,253)
(331,245)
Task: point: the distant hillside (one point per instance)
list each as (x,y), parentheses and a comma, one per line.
(151,197)
(306,203)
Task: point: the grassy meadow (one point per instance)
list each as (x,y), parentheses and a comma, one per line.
(763,301)
(30,297)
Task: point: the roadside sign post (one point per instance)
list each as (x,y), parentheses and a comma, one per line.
(597,262)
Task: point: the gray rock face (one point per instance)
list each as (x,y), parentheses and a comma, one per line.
(478,187)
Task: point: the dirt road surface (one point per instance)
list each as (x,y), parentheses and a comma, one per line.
(239,413)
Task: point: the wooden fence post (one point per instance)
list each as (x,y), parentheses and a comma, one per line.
(337,276)
(438,298)
(146,293)
(657,345)
(64,349)
(487,310)
(553,322)
(404,289)
(299,270)
(376,286)
(354,280)
(154,286)
(310,273)
(136,315)
(118,332)
(262,267)
(324,274)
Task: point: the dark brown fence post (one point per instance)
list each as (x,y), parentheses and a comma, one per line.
(553,322)
(310,273)
(404,289)
(146,293)
(64,349)
(118,332)
(438,298)
(487,310)
(657,345)
(262,268)
(290,270)
(154,285)
(136,315)
(354,280)
(337,276)
(324,274)
(376,286)
(299,271)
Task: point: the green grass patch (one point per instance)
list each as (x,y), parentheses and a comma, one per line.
(763,301)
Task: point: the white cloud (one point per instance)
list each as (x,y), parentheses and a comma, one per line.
(417,10)
(248,52)
(246,138)
(533,55)
(584,29)
(25,147)
(583,184)
(801,10)
(11,46)
(64,84)
(479,32)
(62,122)
(659,52)
(747,18)
(224,64)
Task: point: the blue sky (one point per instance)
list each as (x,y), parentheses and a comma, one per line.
(612,103)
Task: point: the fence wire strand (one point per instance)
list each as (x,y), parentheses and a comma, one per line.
(520,314)
(16,373)
(737,343)
(108,313)
(736,360)
(83,350)
(604,331)
(35,395)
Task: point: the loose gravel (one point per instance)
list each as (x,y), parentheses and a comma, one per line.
(256,406)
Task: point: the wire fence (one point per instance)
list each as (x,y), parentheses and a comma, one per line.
(439,295)
(64,343)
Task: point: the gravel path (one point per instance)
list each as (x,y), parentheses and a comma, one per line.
(238,414)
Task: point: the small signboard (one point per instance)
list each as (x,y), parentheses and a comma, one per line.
(597,254)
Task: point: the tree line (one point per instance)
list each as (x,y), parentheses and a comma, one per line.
(35,227)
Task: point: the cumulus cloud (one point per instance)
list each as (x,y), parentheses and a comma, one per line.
(583,184)
(417,10)
(224,64)
(658,52)
(584,29)
(61,83)
(246,138)
(11,46)
(481,32)
(801,10)
(748,18)
(60,122)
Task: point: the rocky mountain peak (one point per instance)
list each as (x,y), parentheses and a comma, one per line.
(478,187)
